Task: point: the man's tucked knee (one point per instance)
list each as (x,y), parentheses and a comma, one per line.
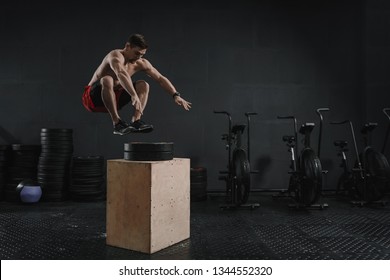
(106,82)
(142,86)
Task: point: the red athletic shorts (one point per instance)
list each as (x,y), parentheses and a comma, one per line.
(93,102)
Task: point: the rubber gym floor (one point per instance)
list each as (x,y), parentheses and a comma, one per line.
(274,231)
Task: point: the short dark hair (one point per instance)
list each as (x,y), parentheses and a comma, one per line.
(138,40)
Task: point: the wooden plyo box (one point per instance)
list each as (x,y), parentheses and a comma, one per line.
(148,203)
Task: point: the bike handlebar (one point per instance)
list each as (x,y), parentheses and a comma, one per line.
(286,117)
(250,113)
(322,109)
(222,112)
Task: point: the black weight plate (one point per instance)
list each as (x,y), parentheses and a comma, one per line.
(21,147)
(198,179)
(88,162)
(85,189)
(198,187)
(88,172)
(29,152)
(195,198)
(148,147)
(53,185)
(25,154)
(57,138)
(89,158)
(92,169)
(56,145)
(58,150)
(57,171)
(23,161)
(201,171)
(48,140)
(87,175)
(54,158)
(55,165)
(82,170)
(57,130)
(148,156)
(87,181)
(53,177)
(89,165)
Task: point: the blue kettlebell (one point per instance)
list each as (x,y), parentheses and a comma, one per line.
(29,191)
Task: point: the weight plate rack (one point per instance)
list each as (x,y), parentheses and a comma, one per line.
(54,163)
(88,178)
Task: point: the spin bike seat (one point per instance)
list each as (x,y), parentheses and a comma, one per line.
(238,128)
(306,127)
(368,127)
(340,143)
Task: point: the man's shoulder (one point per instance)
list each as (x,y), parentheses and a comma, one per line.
(144,63)
(115,53)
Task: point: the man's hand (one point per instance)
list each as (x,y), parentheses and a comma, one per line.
(136,103)
(181,102)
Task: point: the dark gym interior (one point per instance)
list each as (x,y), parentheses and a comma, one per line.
(269,57)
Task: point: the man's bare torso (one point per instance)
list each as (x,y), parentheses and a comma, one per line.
(104,68)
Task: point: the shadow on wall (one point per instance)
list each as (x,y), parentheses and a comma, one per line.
(262,166)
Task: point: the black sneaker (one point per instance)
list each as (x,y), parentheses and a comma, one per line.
(141,126)
(122,128)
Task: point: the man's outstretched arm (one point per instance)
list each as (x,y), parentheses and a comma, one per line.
(166,84)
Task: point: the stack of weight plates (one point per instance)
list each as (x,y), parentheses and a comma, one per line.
(4,157)
(88,178)
(22,166)
(54,163)
(142,151)
(198,179)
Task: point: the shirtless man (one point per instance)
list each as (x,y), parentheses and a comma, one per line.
(111,86)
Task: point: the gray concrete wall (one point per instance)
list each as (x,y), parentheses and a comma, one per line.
(270,57)
(377,67)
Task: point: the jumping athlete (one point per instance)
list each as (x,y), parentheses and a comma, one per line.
(111,86)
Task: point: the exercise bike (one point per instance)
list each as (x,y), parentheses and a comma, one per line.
(368,180)
(237,175)
(305,184)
